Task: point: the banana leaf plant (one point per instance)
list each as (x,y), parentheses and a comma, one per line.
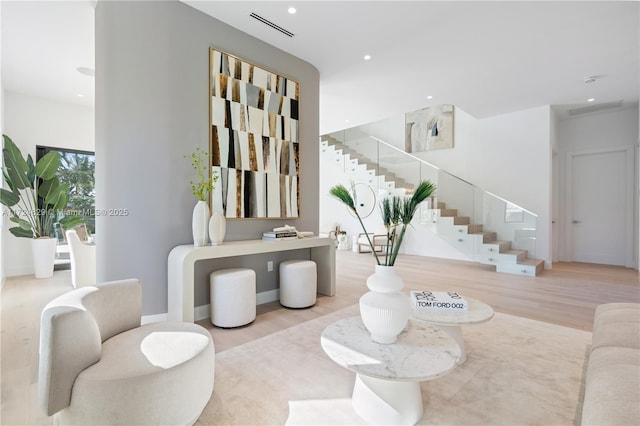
(397,213)
(25,181)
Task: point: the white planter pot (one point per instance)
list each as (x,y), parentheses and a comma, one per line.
(385,309)
(200,224)
(217,228)
(44,255)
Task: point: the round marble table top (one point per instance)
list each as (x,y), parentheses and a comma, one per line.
(422,352)
(477,312)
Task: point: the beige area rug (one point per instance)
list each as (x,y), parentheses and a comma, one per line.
(518,371)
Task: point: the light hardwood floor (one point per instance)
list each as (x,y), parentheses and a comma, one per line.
(565,295)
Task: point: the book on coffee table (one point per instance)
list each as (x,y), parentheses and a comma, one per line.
(438,300)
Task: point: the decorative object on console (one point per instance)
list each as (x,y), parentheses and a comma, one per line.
(254,139)
(200,223)
(203,185)
(385,309)
(217,228)
(35,197)
(281,233)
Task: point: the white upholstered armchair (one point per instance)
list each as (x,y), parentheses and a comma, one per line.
(83,260)
(98,365)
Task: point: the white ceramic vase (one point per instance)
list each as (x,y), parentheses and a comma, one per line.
(200,223)
(217,228)
(44,255)
(385,309)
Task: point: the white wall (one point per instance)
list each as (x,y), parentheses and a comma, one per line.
(508,155)
(31,121)
(521,157)
(595,131)
(390,130)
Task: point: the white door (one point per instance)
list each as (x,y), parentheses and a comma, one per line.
(598,209)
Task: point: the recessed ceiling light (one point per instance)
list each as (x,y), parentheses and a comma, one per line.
(86,71)
(367,57)
(346,121)
(291,10)
(591,99)
(429,97)
(80,95)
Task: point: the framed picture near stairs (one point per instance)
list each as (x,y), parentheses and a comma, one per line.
(429,128)
(253,139)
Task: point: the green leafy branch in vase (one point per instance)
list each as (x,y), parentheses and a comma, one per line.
(205,182)
(397,214)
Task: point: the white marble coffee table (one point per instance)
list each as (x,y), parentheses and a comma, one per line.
(387,387)
(452,321)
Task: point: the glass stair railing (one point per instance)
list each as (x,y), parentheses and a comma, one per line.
(483,226)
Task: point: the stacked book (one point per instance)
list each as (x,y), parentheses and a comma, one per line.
(438,300)
(280,235)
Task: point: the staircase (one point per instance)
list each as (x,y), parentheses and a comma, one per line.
(483,246)
(355,162)
(471,239)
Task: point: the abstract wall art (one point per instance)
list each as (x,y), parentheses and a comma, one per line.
(429,128)
(253,139)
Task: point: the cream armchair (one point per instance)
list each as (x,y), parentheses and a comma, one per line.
(83,260)
(98,365)
(379,242)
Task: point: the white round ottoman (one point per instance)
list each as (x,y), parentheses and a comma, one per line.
(298,283)
(233,297)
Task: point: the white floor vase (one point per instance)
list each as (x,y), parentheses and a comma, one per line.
(217,228)
(385,309)
(44,254)
(200,224)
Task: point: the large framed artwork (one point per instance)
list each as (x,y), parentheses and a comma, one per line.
(253,140)
(429,128)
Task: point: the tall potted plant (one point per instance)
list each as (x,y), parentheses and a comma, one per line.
(34,218)
(385,309)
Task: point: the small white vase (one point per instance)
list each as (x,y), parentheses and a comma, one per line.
(217,228)
(44,255)
(200,223)
(385,309)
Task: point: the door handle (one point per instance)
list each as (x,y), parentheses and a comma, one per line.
(576,221)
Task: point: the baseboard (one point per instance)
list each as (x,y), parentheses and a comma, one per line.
(146,319)
(267,296)
(18,270)
(204,311)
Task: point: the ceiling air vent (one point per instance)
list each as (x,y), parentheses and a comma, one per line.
(594,108)
(271,24)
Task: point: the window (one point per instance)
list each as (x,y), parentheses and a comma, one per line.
(77,168)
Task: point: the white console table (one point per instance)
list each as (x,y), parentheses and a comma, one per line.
(182,261)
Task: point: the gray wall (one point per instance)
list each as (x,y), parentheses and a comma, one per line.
(152,66)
